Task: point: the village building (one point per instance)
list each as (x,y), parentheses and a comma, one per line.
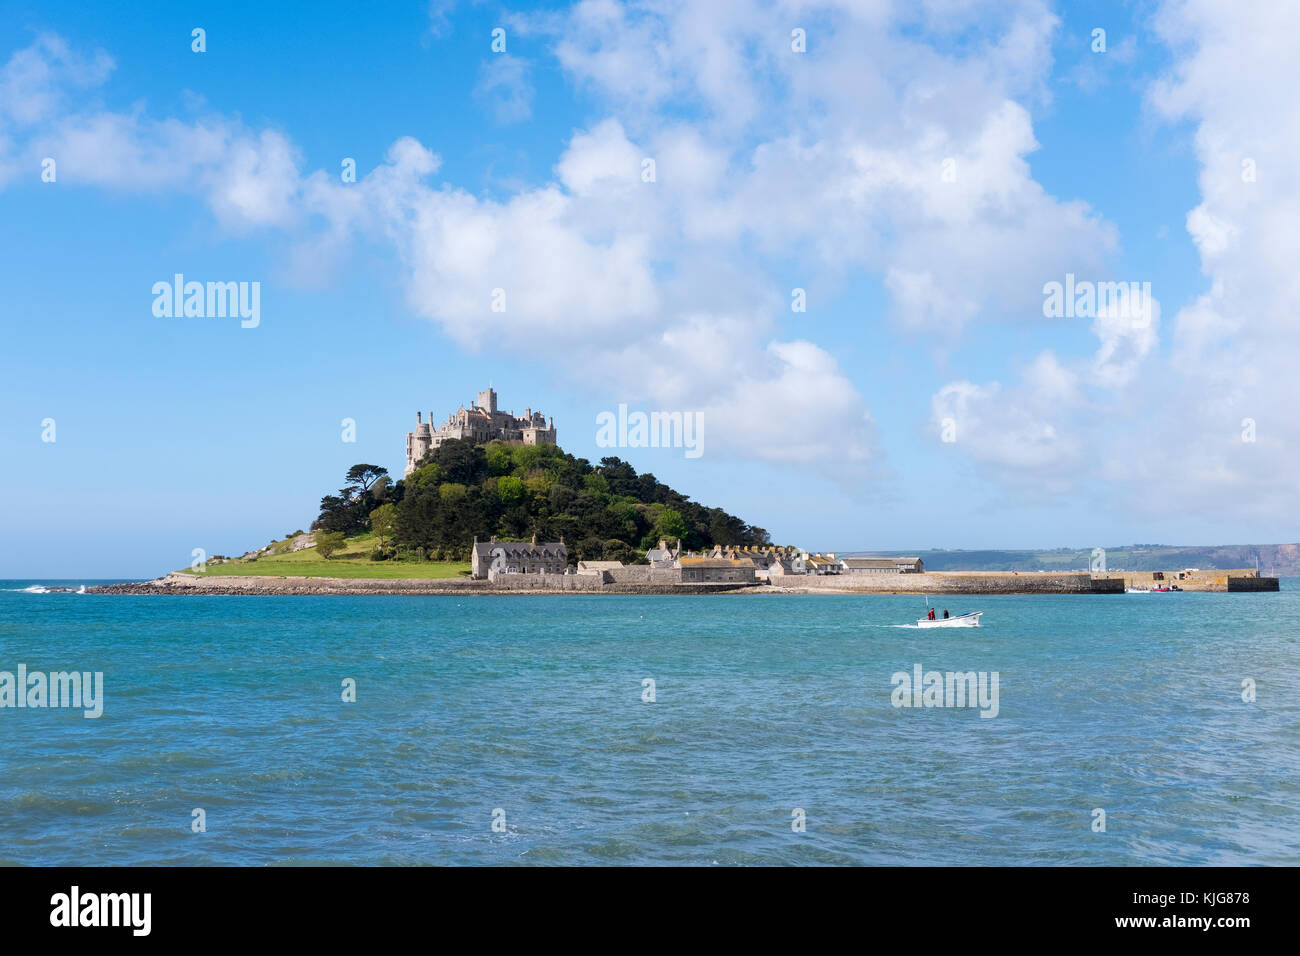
(882,565)
(706,570)
(518,557)
(824,564)
(664,556)
(599,567)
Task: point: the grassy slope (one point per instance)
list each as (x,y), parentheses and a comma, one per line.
(350,562)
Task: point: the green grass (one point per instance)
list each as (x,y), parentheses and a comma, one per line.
(349,562)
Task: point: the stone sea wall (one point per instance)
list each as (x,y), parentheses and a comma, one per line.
(642,574)
(1252,584)
(1237,579)
(993,582)
(503,584)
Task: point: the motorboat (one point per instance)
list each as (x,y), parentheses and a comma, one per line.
(969,619)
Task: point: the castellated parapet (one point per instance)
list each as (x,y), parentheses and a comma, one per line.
(481,422)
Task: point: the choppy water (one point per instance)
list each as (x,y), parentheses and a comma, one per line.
(1129,703)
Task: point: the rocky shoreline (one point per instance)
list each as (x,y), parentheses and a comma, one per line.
(184,584)
(969,583)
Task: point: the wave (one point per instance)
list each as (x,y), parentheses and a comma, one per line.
(42,589)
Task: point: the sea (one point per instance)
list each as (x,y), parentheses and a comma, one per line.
(722,730)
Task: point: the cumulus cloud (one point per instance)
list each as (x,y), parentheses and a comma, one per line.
(895,146)
(1199,422)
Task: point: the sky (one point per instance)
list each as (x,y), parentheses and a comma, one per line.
(826,231)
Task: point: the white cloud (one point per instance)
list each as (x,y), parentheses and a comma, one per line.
(828,162)
(36,81)
(1170,428)
(504,86)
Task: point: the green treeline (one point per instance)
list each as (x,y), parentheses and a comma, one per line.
(463,490)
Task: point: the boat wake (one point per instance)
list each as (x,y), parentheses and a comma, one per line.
(42,589)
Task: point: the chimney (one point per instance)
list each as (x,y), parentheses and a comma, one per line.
(417,418)
(534,537)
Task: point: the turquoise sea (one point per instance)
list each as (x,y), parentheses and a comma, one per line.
(763,704)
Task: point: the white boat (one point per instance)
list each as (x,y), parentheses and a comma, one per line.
(1137,590)
(970,619)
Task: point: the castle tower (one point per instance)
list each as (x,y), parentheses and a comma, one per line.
(483,422)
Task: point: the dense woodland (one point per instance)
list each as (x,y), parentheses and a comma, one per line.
(462,490)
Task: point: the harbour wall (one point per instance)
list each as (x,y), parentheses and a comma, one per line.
(971,582)
(1234,579)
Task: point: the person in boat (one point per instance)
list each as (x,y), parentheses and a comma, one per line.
(931,614)
(945,614)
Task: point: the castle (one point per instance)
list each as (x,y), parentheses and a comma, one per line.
(481,422)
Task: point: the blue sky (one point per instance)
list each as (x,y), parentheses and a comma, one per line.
(775,169)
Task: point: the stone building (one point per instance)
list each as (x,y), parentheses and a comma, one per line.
(664,556)
(824,564)
(518,557)
(599,567)
(481,422)
(882,565)
(709,570)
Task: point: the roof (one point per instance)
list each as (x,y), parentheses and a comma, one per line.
(600,565)
(878,562)
(549,549)
(715,563)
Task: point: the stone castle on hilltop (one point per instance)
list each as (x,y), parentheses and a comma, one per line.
(481,422)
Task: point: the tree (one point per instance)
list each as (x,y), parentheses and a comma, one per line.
(361,477)
(349,511)
(499,460)
(671,524)
(383,522)
(327,543)
(510,490)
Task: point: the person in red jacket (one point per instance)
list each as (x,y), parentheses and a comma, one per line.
(931,614)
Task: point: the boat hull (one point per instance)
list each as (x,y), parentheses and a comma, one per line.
(961,620)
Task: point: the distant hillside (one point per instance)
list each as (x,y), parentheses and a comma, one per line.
(1282,560)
